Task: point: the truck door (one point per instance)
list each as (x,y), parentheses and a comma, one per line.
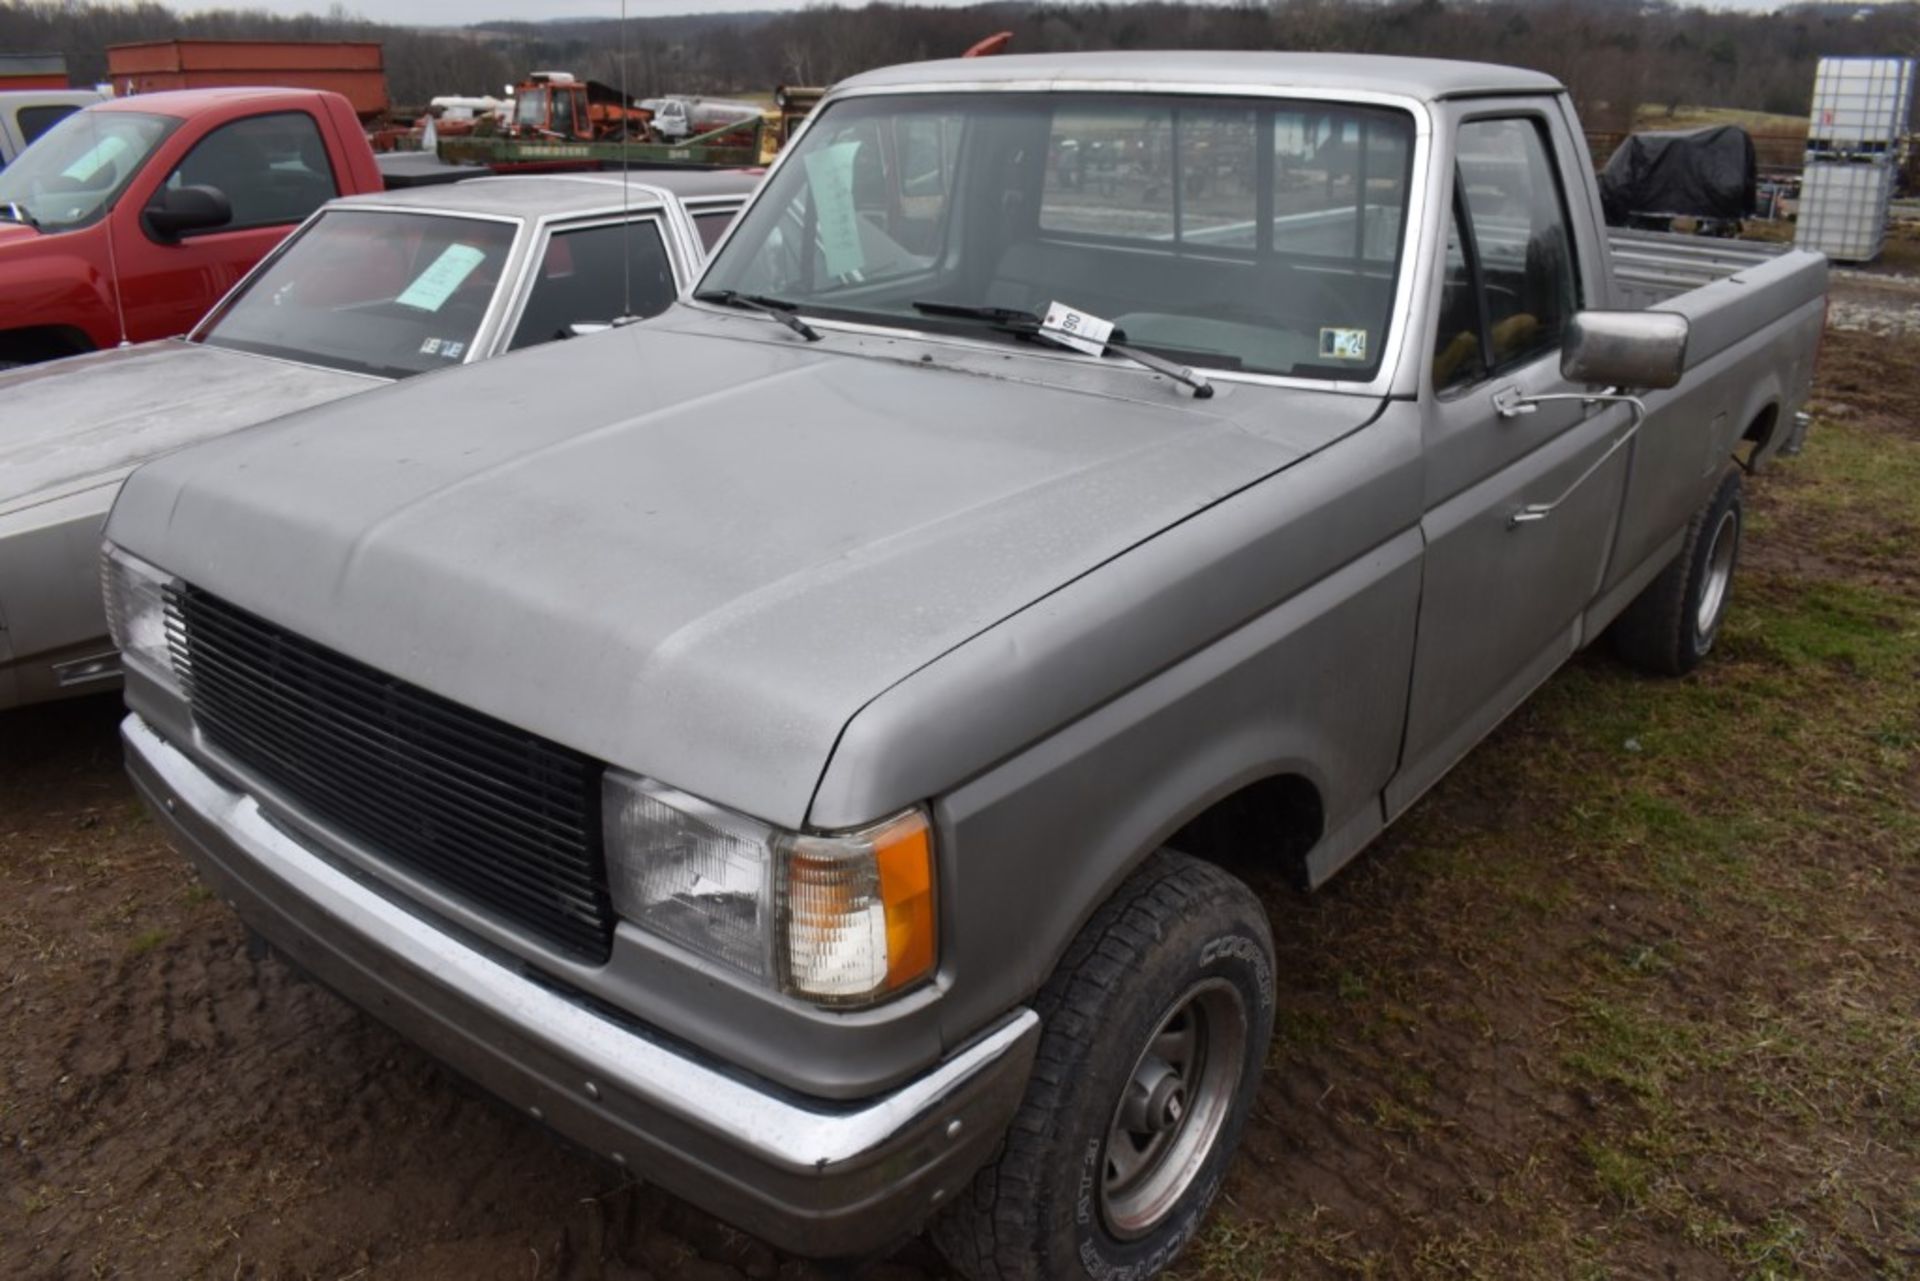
(274,169)
(1501,601)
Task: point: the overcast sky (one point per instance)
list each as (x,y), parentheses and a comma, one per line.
(454,12)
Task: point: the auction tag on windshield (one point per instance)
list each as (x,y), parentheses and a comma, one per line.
(1076,329)
(432,287)
(830,176)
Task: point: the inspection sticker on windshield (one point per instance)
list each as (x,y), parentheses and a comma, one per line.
(1076,329)
(432,287)
(1343,344)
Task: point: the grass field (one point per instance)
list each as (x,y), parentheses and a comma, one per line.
(1653,116)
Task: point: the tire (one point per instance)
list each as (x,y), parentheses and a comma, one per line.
(1672,624)
(1179,961)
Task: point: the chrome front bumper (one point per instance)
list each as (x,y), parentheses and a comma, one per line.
(821,1178)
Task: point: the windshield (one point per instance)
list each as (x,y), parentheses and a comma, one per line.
(1229,233)
(533,109)
(76,169)
(372,292)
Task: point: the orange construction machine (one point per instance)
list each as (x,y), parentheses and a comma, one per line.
(552,104)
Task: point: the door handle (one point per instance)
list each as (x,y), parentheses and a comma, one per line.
(1511,402)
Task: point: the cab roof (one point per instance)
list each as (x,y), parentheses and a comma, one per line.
(185,102)
(557,195)
(1429,79)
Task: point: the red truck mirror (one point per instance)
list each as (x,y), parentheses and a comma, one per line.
(176,211)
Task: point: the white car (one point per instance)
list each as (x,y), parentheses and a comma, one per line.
(370,290)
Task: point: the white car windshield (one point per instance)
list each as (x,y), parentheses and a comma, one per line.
(1250,234)
(74,171)
(371,291)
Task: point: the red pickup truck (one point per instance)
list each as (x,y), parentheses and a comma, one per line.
(127,221)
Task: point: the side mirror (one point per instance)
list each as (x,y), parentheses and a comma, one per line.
(1642,350)
(179,210)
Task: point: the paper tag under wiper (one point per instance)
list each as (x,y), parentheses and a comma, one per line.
(1076,329)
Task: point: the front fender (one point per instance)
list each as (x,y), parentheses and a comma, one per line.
(1270,635)
(58,281)
(50,572)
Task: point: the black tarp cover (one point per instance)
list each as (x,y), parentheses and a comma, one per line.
(1700,173)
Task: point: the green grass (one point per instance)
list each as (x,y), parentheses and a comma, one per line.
(1656,116)
(146,941)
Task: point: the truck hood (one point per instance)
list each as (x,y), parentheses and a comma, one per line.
(16,233)
(691,555)
(73,424)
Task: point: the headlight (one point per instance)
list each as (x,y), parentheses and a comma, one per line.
(136,605)
(841,919)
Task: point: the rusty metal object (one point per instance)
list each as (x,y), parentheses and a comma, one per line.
(353,69)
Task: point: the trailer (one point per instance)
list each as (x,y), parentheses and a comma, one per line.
(353,69)
(33,71)
(732,146)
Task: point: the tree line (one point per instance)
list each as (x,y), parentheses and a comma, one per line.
(1612,54)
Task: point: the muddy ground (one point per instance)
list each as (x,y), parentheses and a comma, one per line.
(1634,992)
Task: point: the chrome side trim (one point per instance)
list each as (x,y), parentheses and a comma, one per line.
(778,1131)
(88,669)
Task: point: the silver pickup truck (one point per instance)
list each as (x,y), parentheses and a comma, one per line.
(370,290)
(794,747)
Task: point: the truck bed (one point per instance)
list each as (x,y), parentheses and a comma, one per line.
(1653,267)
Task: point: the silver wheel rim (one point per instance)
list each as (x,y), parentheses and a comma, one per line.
(1173,1108)
(1713,591)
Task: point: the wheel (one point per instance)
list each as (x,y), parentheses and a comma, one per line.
(1154,1030)
(1671,625)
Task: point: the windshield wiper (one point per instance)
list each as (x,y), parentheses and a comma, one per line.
(1012,320)
(19,213)
(780,309)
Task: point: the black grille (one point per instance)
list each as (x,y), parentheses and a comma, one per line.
(502,818)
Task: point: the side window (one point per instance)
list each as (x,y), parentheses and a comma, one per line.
(1519,226)
(1457,358)
(581,278)
(34,121)
(274,169)
(711,225)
